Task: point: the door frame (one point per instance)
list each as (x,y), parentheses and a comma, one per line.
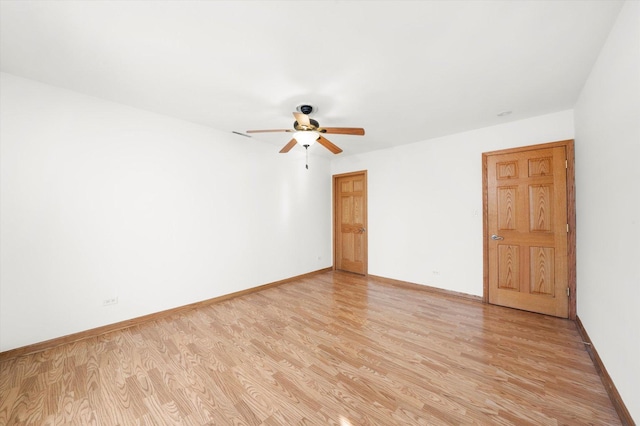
(334,187)
(571,216)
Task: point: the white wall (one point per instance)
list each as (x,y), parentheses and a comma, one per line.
(100,200)
(425,201)
(607,119)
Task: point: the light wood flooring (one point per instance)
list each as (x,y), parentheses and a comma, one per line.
(332,349)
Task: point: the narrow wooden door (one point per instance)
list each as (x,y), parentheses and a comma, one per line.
(350,222)
(526,229)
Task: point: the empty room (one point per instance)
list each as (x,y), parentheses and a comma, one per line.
(319,212)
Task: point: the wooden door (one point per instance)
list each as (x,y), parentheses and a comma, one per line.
(350,222)
(527,229)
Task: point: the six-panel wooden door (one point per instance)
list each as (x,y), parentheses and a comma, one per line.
(527,226)
(350,222)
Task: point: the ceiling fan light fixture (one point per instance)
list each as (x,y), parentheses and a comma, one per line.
(306,138)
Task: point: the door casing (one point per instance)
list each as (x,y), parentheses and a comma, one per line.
(336,216)
(571,216)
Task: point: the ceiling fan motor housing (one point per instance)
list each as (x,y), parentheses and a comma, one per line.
(313,122)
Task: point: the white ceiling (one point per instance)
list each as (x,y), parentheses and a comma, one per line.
(405,71)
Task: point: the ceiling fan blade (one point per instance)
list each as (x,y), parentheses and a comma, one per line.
(358,131)
(269,131)
(302,119)
(288,146)
(329,145)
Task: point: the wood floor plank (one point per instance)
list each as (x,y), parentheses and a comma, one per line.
(334,348)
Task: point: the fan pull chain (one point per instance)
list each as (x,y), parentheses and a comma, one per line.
(306,149)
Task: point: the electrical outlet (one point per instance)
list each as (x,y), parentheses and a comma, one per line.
(110,301)
(435,272)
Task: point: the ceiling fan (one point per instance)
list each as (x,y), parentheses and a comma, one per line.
(306,131)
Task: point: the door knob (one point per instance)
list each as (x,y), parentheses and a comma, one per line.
(496,237)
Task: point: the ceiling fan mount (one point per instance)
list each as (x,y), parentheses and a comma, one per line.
(304,124)
(306,109)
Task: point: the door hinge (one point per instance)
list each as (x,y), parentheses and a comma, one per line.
(566,164)
(568,292)
(567,228)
